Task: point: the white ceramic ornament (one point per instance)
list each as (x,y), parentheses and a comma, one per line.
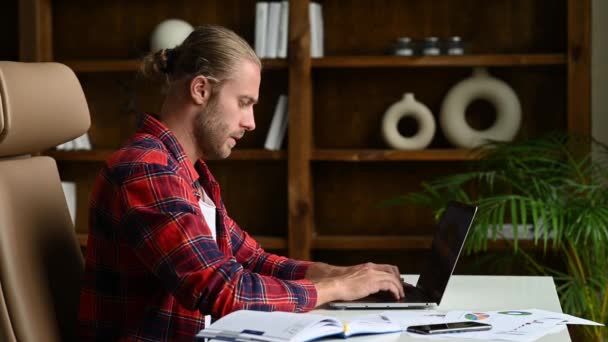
(169,33)
(408,107)
(480,86)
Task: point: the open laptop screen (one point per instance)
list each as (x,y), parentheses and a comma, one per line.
(447,244)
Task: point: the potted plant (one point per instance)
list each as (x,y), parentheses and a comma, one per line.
(553,188)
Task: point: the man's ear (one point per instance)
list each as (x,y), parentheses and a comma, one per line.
(200,89)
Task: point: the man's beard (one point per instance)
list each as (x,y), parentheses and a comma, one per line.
(211,133)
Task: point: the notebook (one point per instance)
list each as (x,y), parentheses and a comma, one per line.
(447,244)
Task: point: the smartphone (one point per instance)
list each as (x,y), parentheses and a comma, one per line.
(449,327)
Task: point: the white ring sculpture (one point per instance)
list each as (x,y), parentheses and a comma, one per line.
(408,107)
(480,86)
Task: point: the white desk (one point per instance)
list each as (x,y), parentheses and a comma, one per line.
(482,293)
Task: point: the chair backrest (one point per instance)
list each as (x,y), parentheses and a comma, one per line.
(41,106)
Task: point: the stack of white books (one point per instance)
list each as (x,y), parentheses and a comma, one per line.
(315,15)
(271,23)
(81,143)
(278,125)
(271,27)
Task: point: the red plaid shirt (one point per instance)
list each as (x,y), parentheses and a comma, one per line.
(152,268)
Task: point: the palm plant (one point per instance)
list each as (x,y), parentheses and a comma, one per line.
(552,186)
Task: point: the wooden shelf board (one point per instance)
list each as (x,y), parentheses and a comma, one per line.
(393,155)
(396,242)
(86,156)
(104,154)
(267,242)
(129,65)
(438,61)
(334,242)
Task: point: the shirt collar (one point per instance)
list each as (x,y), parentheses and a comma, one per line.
(150,124)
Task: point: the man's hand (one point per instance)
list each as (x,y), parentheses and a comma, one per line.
(351,283)
(319,270)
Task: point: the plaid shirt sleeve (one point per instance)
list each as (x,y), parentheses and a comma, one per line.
(250,254)
(174,243)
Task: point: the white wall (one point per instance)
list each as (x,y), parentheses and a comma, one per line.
(599,70)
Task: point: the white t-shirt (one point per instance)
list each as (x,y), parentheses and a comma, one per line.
(208,208)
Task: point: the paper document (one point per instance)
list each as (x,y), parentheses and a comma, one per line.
(507,325)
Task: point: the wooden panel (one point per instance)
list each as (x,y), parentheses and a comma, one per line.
(372,242)
(118,29)
(579,66)
(35,31)
(358,119)
(255,194)
(300,140)
(434,61)
(115,100)
(497,26)
(411,262)
(348,197)
(9,40)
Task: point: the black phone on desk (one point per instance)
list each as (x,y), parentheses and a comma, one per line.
(443,328)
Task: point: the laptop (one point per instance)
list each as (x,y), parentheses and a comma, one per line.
(447,244)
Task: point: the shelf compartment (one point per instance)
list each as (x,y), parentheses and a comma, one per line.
(267,242)
(540,90)
(439,61)
(104,154)
(131,65)
(371,155)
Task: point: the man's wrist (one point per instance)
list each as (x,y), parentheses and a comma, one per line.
(320,270)
(327,291)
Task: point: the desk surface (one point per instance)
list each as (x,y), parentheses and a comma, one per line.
(482,293)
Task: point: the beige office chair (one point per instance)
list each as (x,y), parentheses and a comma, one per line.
(41,106)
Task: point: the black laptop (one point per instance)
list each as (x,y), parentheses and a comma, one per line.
(447,244)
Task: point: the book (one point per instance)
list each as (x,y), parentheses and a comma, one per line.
(82,142)
(272,29)
(69,191)
(315,13)
(247,325)
(261,23)
(278,125)
(283,30)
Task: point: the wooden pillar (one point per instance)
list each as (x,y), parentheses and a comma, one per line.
(579,66)
(300,195)
(35,31)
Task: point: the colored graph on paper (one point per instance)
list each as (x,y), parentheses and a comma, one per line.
(476,316)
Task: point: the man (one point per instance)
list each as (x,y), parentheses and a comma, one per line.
(162,251)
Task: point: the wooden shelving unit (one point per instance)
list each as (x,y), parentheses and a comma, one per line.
(317,198)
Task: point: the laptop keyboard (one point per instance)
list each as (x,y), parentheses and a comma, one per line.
(412,295)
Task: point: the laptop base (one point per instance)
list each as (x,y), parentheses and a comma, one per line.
(383,306)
